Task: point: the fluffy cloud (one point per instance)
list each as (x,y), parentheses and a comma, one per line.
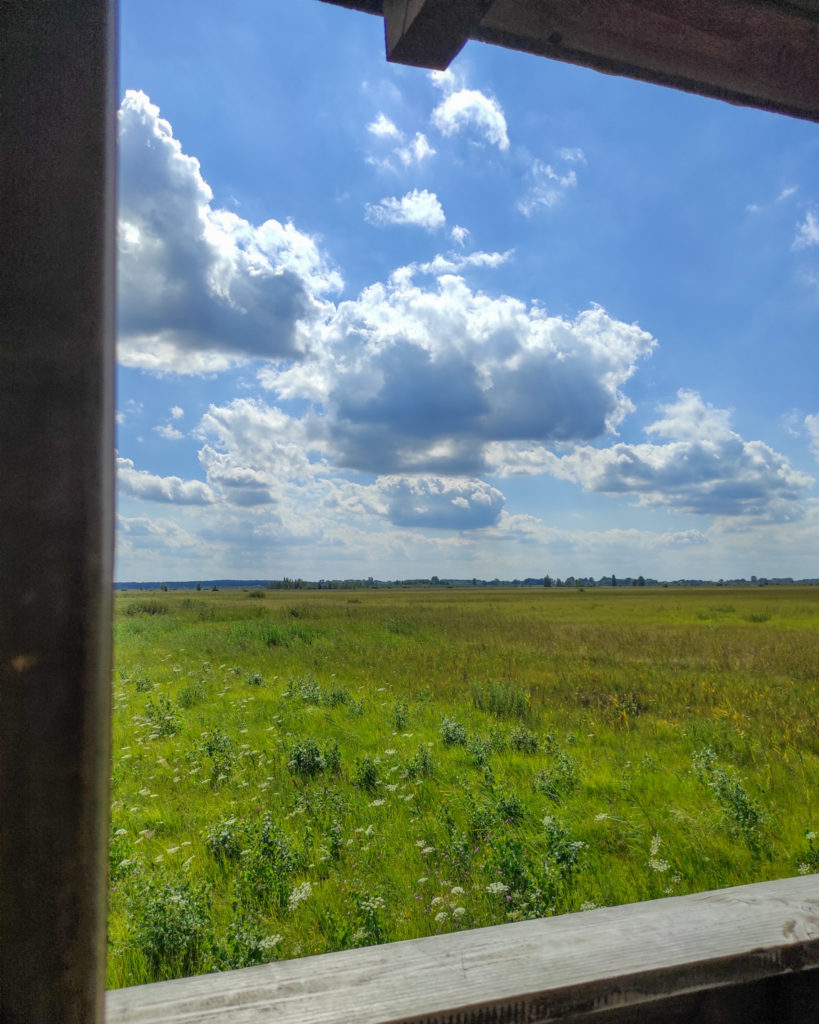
(383,128)
(262,447)
(257,456)
(418,207)
(460,235)
(470,110)
(409,153)
(169,432)
(705,467)
(443,504)
(138,483)
(416,151)
(200,288)
(415,380)
(807,233)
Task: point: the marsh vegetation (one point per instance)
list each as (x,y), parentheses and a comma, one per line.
(300,773)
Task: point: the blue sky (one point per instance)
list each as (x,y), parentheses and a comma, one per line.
(510,319)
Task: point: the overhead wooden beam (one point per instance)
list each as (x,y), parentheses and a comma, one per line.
(757,53)
(430,33)
(748,52)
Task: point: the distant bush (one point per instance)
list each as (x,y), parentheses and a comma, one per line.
(523,741)
(559,779)
(308,759)
(146,608)
(452,733)
(171,924)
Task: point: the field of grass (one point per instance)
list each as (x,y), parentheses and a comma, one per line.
(300,772)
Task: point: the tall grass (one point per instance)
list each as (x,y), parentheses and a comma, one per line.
(396,764)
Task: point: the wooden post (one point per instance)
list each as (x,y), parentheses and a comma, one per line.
(430,33)
(56,465)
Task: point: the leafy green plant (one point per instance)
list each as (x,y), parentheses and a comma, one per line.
(744,814)
(558,779)
(171,925)
(523,741)
(452,733)
(365,774)
(164,719)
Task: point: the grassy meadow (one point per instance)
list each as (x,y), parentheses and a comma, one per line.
(296,772)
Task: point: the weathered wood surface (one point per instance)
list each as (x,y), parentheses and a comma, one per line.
(756,53)
(744,51)
(430,33)
(598,965)
(58,221)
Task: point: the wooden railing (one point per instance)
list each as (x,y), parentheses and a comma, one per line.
(747,954)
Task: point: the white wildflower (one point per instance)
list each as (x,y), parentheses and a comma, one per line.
(497,888)
(456,890)
(441,916)
(654,862)
(299,895)
(458,912)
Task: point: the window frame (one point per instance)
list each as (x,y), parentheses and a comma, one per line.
(752,950)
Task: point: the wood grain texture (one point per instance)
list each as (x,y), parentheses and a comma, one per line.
(744,51)
(760,53)
(602,962)
(57,140)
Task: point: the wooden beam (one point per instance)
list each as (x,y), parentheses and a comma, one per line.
(748,953)
(748,52)
(56,503)
(430,33)
(758,53)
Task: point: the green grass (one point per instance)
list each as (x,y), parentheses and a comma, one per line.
(299,776)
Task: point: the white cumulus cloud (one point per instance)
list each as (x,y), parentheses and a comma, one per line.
(409,379)
(704,467)
(200,288)
(418,207)
(384,128)
(139,483)
(807,233)
(471,110)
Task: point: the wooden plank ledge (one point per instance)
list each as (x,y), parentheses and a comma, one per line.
(601,965)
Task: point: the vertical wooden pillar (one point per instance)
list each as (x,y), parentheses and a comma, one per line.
(57,232)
